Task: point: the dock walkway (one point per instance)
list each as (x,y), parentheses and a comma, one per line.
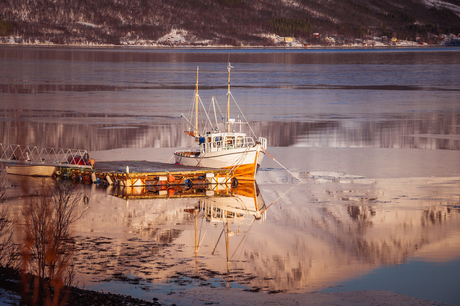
(145,173)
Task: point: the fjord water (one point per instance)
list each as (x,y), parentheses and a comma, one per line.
(374,135)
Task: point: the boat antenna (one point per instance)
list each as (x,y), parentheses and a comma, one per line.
(196,102)
(228,99)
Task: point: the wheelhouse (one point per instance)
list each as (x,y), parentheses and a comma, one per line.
(213,142)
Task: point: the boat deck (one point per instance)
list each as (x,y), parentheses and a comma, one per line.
(145,173)
(140,166)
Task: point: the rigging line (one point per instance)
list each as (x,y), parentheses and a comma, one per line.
(243,115)
(206,113)
(183,116)
(214,236)
(204,235)
(172,156)
(221,113)
(212,253)
(244,238)
(241,159)
(192,108)
(279,198)
(201,227)
(282,165)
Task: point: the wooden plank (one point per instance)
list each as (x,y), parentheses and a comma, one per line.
(144,167)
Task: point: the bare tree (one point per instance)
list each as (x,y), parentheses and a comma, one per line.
(6,226)
(47,246)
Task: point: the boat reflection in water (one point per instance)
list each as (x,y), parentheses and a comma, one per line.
(221,212)
(243,194)
(237,214)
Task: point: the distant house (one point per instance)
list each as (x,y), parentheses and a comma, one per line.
(289,39)
(330,40)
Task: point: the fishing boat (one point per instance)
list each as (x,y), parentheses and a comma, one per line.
(223,148)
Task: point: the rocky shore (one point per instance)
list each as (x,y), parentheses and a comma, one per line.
(11,287)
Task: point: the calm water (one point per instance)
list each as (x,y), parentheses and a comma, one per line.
(373,134)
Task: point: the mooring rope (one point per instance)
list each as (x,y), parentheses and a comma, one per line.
(282,165)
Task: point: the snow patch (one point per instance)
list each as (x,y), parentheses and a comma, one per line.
(291,3)
(91,25)
(175,37)
(296,4)
(442,4)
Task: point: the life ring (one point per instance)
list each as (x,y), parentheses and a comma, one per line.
(234,182)
(188,183)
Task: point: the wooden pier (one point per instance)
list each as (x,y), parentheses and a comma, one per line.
(146,173)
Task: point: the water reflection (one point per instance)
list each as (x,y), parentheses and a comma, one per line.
(290,57)
(103,99)
(151,234)
(326,230)
(104,132)
(237,215)
(331,228)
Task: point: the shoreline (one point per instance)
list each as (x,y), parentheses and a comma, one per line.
(210,47)
(10,293)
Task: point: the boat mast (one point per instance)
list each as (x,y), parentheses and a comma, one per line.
(228,99)
(196,103)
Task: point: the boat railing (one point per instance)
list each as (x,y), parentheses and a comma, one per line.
(263,142)
(14,153)
(227,144)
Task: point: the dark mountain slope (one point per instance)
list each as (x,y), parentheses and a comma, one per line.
(231,22)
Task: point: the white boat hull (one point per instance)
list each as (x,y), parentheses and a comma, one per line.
(30,170)
(244,162)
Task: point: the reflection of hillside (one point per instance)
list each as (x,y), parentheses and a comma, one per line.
(339,237)
(436,131)
(326,230)
(105,132)
(80,131)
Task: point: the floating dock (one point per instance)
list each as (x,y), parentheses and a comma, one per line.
(145,173)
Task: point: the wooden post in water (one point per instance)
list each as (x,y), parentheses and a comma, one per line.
(196,231)
(228,265)
(196,241)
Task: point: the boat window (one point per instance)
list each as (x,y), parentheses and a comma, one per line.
(239,141)
(230,141)
(217,142)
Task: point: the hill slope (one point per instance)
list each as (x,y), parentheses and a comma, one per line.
(224,22)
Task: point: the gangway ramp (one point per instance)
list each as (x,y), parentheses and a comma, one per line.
(44,156)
